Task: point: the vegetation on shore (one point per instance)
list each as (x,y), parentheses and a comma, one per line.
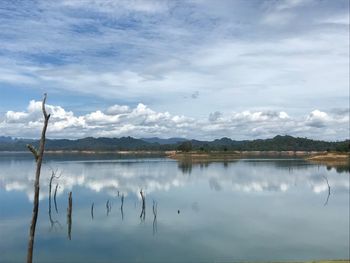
(278,143)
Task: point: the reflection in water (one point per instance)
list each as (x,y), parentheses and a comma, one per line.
(53,176)
(165,177)
(143,211)
(121,206)
(329,190)
(53,223)
(54,198)
(69,215)
(155,229)
(185,166)
(205,231)
(108,207)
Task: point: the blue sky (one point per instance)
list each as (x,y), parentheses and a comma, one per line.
(196,69)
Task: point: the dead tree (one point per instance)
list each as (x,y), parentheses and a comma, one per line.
(38,156)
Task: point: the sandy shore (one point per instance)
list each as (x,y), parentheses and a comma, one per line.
(331,159)
(235,155)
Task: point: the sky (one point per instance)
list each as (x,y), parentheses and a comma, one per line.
(199,69)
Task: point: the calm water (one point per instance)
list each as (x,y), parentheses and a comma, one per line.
(222,212)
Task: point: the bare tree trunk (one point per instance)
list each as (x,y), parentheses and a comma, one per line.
(38,155)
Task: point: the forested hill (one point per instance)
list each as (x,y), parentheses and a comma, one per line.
(278,143)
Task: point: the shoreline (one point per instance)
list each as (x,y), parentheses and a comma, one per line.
(325,158)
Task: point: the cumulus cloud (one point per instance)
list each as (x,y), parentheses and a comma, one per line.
(142,121)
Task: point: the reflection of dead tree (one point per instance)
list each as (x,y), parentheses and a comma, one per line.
(92,211)
(53,176)
(143,211)
(121,206)
(154,217)
(329,190)
(53,222)
(108,207)
(69,215)
(38,155)
(54,198)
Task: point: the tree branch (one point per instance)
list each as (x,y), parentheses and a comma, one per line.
(34,151)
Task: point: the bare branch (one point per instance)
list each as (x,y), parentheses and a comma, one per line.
(34,151)
(47,116)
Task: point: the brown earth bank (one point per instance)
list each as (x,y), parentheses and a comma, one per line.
(332,159)
(234,155)
(87,152)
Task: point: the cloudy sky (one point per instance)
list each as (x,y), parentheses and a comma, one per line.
(197,68)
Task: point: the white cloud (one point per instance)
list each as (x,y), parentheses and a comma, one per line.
(142,121)
(160,52)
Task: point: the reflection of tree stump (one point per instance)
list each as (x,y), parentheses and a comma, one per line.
(69,215)
(108,207)
(121,206)
(155,229)
(143,211)
(92,211)
(54,198)
(53,176)
(329,191)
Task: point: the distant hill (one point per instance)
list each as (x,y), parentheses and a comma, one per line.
(164,141)
(5,139)
(278,143)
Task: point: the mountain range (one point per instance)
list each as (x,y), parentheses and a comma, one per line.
(277,143)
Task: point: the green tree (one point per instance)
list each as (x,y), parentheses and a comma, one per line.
(185,146)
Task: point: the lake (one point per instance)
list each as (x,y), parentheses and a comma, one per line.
(246,210)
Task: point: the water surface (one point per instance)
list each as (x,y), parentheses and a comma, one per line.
(248,210)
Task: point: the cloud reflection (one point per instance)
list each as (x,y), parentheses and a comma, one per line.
(129,176)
